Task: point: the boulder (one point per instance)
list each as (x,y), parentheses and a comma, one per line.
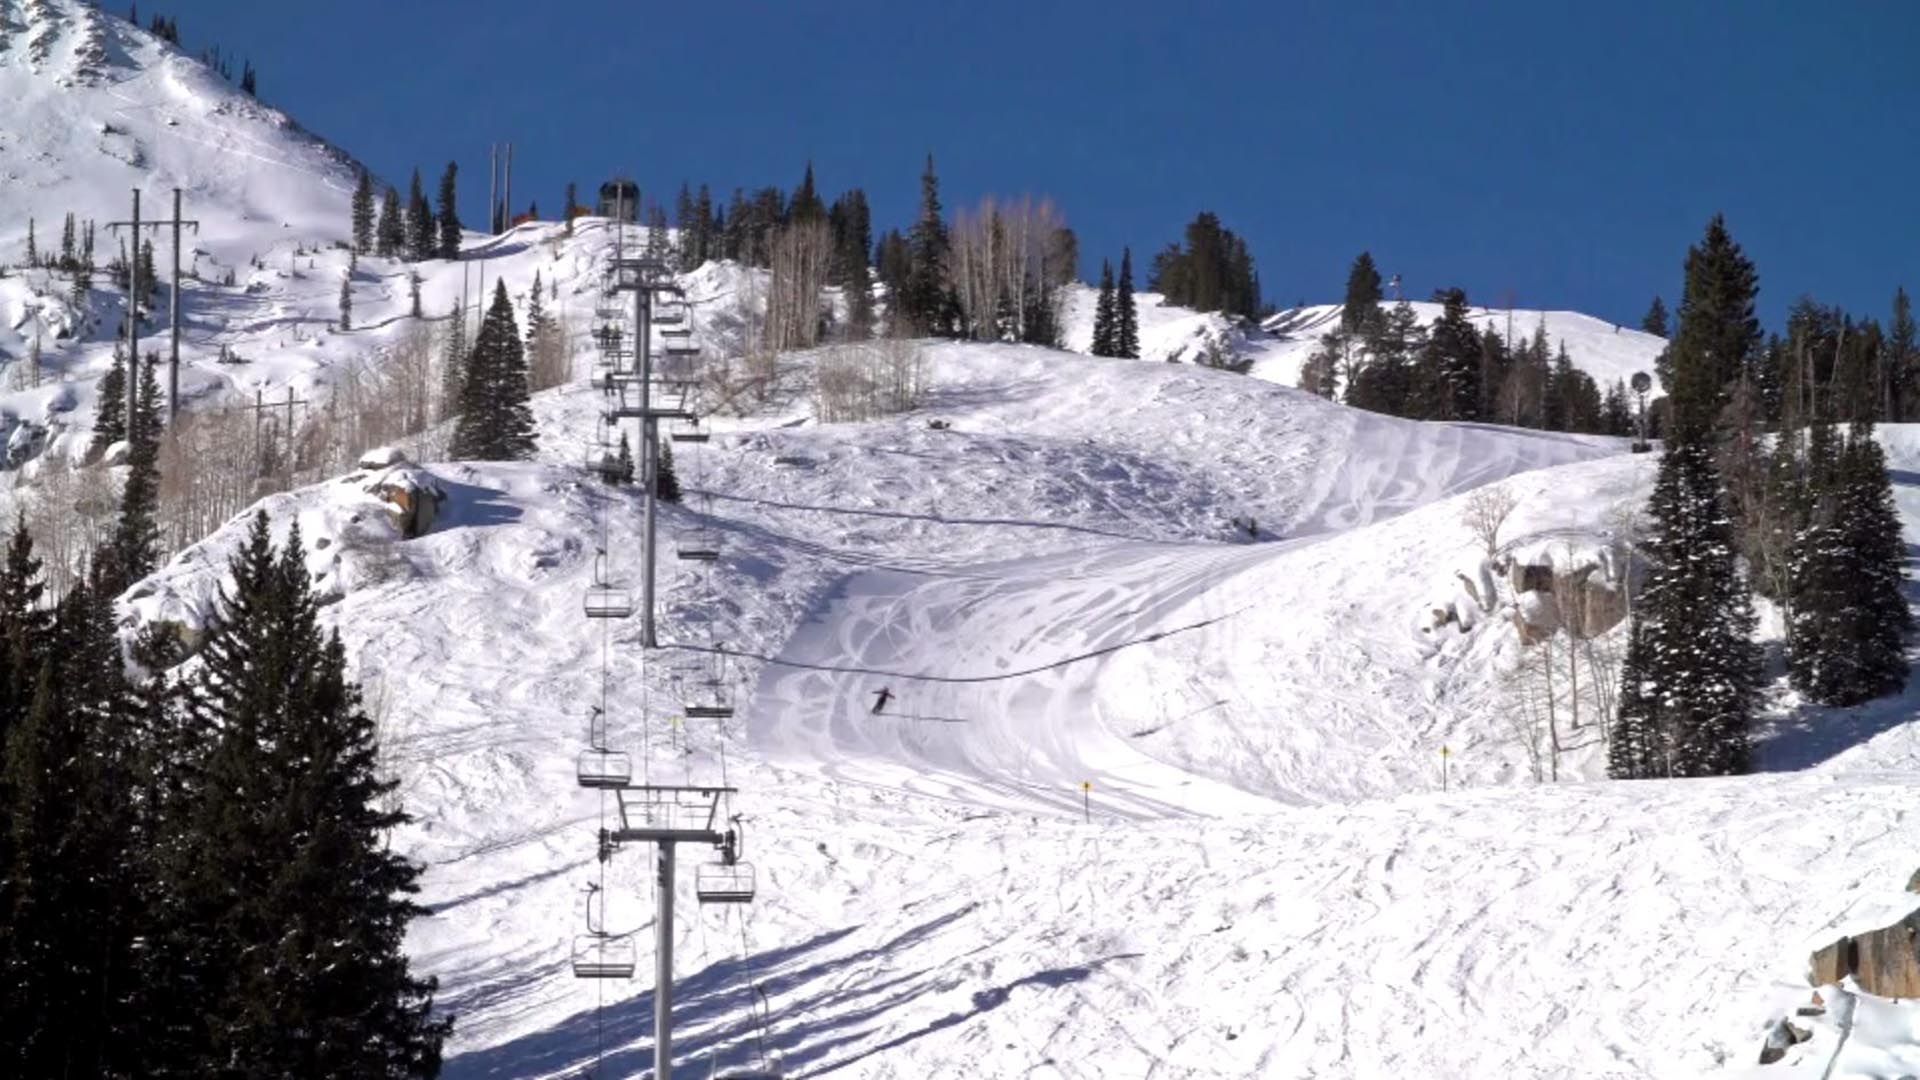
(383,457)
(1781,1037)
(1913,883)
(412,498)
(1530,577)
(1885,962)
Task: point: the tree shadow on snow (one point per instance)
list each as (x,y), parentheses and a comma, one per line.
(823,1006)
(471,504)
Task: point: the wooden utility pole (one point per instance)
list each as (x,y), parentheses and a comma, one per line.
(260,407)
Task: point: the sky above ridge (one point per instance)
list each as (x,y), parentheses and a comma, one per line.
(1552,156)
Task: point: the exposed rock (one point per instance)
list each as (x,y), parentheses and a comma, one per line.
(1781,1037)
(1913,883)
(1885,962)
(412,496)
(1530,577)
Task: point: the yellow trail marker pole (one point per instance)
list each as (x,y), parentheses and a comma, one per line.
(1444,755)
(1086,801)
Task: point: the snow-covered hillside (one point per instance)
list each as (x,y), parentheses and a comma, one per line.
(1173,658)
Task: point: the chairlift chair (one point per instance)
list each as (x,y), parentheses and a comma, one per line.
(701,681)
(723,883)
(604,769)
(687,430)
(603,956)
(677,346)
(603,462)
(607,602)
(672,316)
(697,545)
(596,727)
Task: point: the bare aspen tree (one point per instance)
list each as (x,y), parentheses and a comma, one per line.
(1486,511)
(801,257)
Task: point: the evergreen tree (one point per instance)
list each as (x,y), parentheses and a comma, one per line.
(453,365)
(110,410)
(293,905)
(495,422)
(1616,412)
(623,463)
(923,296)
(1360,310)
(422,239)
(135,546)
(449,216)
(67,259)
(566,212)
(1697,666)
(1126,319)
(1103,328)
(390,236)
(1655,320)
(1385,383)
(346,302)
(1213,272)
(33,252)
(363,214)
(666,483)
(1903,358)
(1451,365)
(149,279)
(1717,334)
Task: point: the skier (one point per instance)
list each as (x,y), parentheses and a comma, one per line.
(881,697)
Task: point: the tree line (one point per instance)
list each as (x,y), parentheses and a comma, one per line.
(195,876)
(1770,481)
(1383,359)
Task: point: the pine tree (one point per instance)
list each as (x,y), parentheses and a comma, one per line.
(67,259)
(1903,357)
(1103,314)
(566,212)
(1360,310)
(1451,364)
(1655,320)
(135,546)
(623,463)
(413,292)
(453,365)
(363,214)
(495,422)
(390,236)
(666,485)
(149,279)
(110,410)
(346,302)
(303,967)
(1698,667)
(33,252)
(249,80)
(1126,324)
(422,240)
(448,218)
(923,296)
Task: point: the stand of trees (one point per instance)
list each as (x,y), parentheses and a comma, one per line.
(1213,271)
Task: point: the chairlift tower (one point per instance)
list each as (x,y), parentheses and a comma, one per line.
(649,386)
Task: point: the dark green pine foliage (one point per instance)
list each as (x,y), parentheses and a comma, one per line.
(566,212)
(110,410)
(1655,320)
(1386,383)
(1360,310)
(69,974)
(422,238)
(135,546)
(1698,668)
(1849,617)
(1451,364)
(923,298)
(293,904)
(448,218)
(1718,332)
(495,423)
(1616,411)
(390,235)
(666,483)
(363,214)
(1902,359)
(1126,317)
(1103,328)
(1213,272)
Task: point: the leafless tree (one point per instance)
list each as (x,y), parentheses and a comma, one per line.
(1485,513)
(802,256)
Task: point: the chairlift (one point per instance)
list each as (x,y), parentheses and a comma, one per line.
(603,956)
(607,602)
(701,681)
(676,330)
(687,430)
(697,545)
(679,346)
(717,883)
(669,317)
(604,769)
(596,727)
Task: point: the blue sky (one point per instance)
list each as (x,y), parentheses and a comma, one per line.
(1566,154)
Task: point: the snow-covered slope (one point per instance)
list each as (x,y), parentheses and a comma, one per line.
(1607,351)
